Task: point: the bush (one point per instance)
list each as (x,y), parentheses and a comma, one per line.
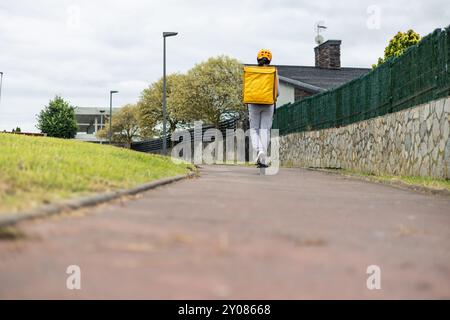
(58,119)
(398,44)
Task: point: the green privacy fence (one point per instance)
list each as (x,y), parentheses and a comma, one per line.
(419,75)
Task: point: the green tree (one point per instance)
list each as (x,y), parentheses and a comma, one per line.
(150,104)
(210,91)
(398,44)
(214,89)
(125,125)
(58,119)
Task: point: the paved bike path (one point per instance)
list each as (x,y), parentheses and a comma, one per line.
(233,234)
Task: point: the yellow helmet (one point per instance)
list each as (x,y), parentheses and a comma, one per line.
(264,53)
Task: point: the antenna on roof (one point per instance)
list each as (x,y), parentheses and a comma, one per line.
(319,27)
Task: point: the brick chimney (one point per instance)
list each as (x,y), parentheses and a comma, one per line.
(328,54)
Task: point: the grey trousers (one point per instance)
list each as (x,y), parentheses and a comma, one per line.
(261,117)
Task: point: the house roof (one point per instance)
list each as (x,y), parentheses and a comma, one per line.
(301,85)
(93,111)
(320,77)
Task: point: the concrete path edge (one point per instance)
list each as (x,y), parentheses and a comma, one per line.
(392,183)
(10,219)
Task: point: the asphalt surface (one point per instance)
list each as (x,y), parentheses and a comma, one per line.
(232,234)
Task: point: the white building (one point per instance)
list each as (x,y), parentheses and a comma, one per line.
(289,90)
(90,121)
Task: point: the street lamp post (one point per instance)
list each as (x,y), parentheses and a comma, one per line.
(110,114)
(165,35)
(101,123)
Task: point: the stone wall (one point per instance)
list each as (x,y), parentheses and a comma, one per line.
(412,142)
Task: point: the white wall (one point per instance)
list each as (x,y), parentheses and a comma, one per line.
(287,94)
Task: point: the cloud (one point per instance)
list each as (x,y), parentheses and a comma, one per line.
(82,49)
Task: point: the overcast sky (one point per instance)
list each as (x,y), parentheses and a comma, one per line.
(82,49)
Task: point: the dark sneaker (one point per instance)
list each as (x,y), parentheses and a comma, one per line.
(261,165)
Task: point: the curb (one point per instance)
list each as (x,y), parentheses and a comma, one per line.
(10,219)
(392,183)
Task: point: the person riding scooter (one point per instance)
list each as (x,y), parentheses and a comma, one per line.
(261,114)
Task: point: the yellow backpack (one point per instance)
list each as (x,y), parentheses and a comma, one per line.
(260,85)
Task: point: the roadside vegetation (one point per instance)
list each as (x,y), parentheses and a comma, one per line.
(413,181)
(57,119)
(211,91)
(427,182)
(398,45)
(39,170)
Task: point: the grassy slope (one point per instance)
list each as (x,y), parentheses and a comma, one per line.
(36,170)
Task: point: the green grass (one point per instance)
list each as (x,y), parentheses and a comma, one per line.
(38,170)
(428,182)
(11,233)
